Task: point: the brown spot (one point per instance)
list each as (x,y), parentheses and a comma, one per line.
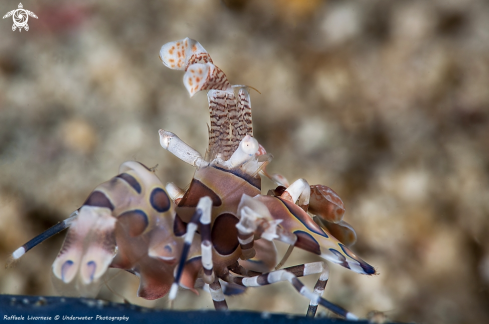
(225,234)
(98,199)
(197,190)
(130,180)
(194,48)
(159,200)
(197,79)
(134,222)
(171,60)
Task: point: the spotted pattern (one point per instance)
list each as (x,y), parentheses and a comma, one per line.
(159,200)
(92,266)
(224,234)
(134,221)
(130,181)
(98,199)
(65,267)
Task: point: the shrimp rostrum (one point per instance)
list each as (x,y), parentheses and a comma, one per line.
(219,233)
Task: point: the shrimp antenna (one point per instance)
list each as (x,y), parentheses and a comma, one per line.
(41,238)
(245,86)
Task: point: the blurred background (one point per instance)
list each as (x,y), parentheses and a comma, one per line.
(384,101)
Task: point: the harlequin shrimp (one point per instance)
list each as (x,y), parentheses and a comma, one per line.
(218,234)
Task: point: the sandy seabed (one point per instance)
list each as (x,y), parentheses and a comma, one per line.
(384,101)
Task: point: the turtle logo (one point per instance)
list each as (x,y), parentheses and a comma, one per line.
(20,16)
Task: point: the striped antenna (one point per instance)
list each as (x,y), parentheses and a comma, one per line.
(244,110)
(223,136)
(41,238)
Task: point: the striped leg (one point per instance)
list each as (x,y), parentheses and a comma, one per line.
(228,289)
(42,237)
(246,242)
(217,295)
(206,247)
(318,290)
(307,269)
(290,274)
(300,270)
(203,210)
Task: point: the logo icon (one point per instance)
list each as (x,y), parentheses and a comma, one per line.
(20,17)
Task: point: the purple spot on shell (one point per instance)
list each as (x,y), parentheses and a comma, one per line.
(65,267)
(159,200)
(92,266)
